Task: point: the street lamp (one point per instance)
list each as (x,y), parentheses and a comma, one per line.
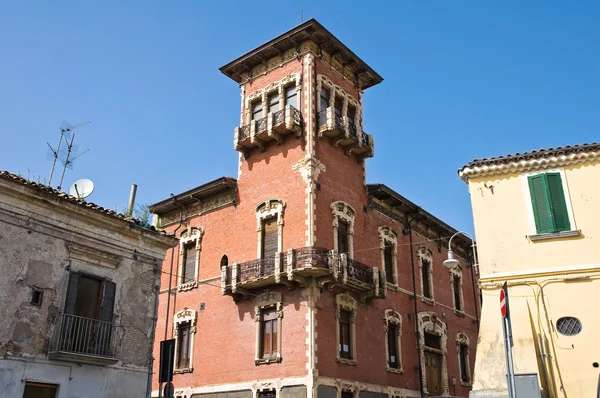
(451,261)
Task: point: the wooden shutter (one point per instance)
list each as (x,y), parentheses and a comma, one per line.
(189,270)
(388,260)
(557,202)
(540,204)
(269,241)
(73,287)
(107,303)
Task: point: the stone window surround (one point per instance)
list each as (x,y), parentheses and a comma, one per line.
(187,236)
(393,317)
(265,301)
(387,236)
(266,209)
(343,211)
(425,254)
(463,339)
(343,301)
(263,94)
(337,91)
(429,322)
(457,271)
(183,316)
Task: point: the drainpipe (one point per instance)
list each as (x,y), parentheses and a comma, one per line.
(475,300)
(152,336)
(414,284)
(171,280)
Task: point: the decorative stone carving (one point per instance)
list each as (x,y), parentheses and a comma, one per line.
(309,167)
(189,236)
(430,323)
(183,316)
(388,237)
(263,93)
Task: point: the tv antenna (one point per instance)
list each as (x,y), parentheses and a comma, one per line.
(65,151)
(82,188)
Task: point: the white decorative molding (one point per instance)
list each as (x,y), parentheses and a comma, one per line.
(279,86)
(343,211)
(425,256)
(527,165)
(184,316)
(463,339)
(387,237)
(457,272)
(270,208)
(265,301)
(190,235)
(392,317)
(344,301)
(337,91)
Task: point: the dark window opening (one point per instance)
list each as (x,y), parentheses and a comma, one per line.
(183,345)
(269,328)
(342,238)
(37,296)
(345,337)
(351,114)
(324,99)
(270,236)
(224,261)
(39,390)
(257,110)
(338,105)
(347,394)
(290,96)
(426,278)
(433,341)
(393,360)
(189,263)
(273,102)
(388,258)
(464,361)
(267,394)
(90,297)
(457,293)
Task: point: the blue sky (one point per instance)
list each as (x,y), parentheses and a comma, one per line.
(463,80)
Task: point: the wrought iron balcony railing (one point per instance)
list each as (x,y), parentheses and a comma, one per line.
(327,266)
(82,336)
(270,128)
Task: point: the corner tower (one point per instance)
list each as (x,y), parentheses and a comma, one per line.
(301,116)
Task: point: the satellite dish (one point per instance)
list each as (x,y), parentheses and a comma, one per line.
(82,188)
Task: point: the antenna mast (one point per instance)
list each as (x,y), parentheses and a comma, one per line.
(63,152)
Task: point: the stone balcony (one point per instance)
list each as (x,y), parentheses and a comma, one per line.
(345,133)
(295,266)
(274,127)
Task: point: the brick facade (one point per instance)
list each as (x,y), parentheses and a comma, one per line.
(301,178)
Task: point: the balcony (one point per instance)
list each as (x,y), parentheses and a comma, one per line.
(273,128)
(295,266)
(343,132)
(82,340)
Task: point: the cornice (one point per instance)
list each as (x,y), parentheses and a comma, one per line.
(528,165)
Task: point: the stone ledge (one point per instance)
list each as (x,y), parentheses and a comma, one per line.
(554,235)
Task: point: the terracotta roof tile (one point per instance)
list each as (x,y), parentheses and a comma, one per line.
(65,196)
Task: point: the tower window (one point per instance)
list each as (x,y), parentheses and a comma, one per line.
(273,101)
(257,109)
(342,237)
(290,96)
(324,99)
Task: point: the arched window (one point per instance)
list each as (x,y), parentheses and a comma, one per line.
(224,261)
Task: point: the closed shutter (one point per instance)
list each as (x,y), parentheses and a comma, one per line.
(71,301)
(108,301)
(557,202)
(269,241)
(189,271)
(540,203)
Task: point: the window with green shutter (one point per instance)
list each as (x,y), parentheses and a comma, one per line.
(549,204)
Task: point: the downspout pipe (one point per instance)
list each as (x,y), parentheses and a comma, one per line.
(171,280)
(153,336)
(414,297)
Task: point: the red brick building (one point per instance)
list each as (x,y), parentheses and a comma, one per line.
(297,279)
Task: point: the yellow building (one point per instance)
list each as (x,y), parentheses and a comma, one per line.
(537,222)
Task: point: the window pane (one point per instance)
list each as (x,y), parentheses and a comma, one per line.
(270,236)
(273,101)
(224,260)
(388,260)
(189,263)
(345,338)
(257,110)
(393,345)
(426,279)
(324,99)
(464,371)
(275,342)
(183,346)
(351,113)
(433,341)
(290,96)
(267,325)
(338,105)
(342,237)
(457,301)
(88,297)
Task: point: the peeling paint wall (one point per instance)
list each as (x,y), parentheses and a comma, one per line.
(43,238)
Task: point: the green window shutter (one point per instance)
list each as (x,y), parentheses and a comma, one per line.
(541,204)
(558,204)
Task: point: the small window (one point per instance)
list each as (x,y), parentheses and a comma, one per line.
(433,341)
(269,238)
(224,261)
(36,296)
(257,110)
(568,326)
(269,330)
(456,285)
(39,390)
(189,263)
(290,96)
(267,394)
(549,204)
(388,258)
(183,345)
(426,275)
(345,338)
(464,363)
(351,113)
(338,105)
(342,237)
(273,101)
(392,335)
(324,99)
